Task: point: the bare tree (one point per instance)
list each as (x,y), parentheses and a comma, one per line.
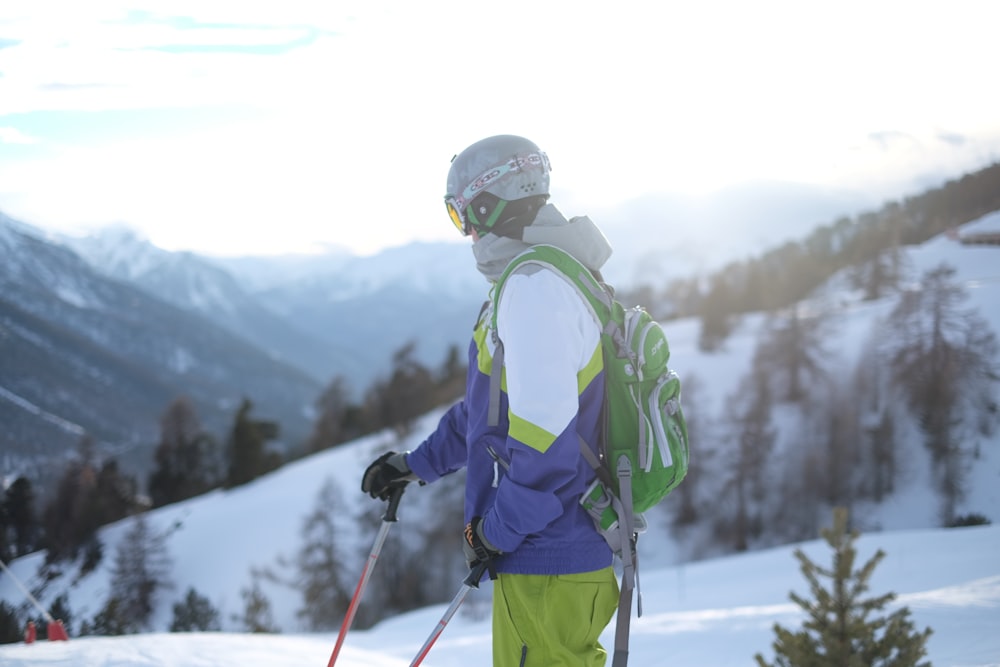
(141,572)
(791,348)
(744,475)
(325,595)
(943,358)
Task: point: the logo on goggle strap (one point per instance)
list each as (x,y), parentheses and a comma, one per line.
(515,164)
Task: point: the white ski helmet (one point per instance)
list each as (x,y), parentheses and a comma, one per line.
(496,172)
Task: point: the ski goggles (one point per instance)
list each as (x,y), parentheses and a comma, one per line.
(456,216)
(457,204)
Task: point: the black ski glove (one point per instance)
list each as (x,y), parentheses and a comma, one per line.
(476,547)
(386,473)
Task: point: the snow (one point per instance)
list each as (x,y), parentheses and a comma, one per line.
(712,612)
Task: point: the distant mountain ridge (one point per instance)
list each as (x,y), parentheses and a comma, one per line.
(82,352)
(327,315)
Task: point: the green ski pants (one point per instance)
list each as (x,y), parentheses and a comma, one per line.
(552,620)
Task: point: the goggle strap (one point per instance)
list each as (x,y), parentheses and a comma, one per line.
(491,220)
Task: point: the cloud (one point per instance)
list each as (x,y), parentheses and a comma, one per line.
(11,135)
(953,138)
(887,140)
(6,43)
(190,35)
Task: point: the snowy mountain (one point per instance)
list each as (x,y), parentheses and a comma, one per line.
(82,352)
(708,611)
(195,284)
(311,311)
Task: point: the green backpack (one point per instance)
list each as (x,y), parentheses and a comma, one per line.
(644,454)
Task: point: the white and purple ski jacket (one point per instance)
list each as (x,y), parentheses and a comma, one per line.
(525,476)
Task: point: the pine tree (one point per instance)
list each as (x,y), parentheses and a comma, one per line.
(843,628)
(194,614)
(717,318)
(10,624)
(86,498)
(408,393)
(19,511)
(246,452)
(185,465)
(334,409)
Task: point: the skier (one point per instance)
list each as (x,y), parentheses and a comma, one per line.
(30,633)
(555,589)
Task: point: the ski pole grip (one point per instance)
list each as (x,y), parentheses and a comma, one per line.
(394,496)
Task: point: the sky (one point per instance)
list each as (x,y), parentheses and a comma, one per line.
(235,128)
(707,612)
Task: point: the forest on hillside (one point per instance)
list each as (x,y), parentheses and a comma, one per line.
(867,244)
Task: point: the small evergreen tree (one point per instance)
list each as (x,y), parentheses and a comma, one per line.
(407,394)
(257,616)
(717,315)
(332,407)
(10,624)
(194,614)
(840,630)
(19,512)
(93,554)
(246,451)
(109,621)
(184,457)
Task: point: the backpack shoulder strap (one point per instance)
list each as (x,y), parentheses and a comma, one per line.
(563,264)
(566,266)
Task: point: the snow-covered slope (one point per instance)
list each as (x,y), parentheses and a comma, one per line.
(716,613)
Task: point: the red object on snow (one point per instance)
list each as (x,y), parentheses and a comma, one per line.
(57,633)
(30,633)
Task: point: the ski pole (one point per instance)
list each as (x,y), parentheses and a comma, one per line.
(388,519)
(471,581)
